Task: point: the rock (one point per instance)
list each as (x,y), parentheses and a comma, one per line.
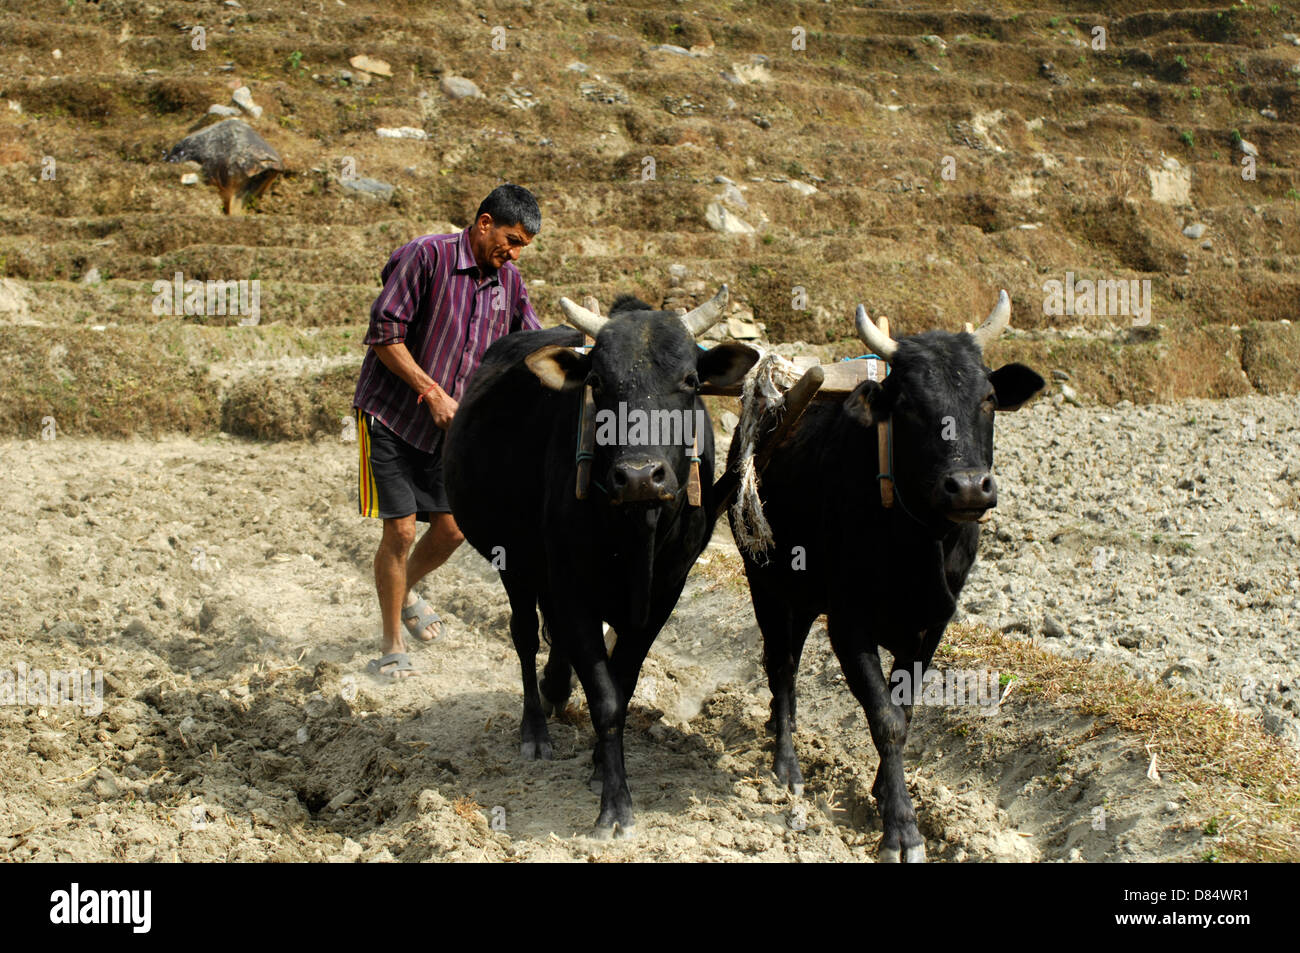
(1278,723)
(243,98)
(677,272)
(342,799)
(762,122)
(430,802)
(401,132)
(369,64)
(1171,184)
(1060,375)
(742,330)
(1053,629)
(935,40)
(803,188)
(190,178)
(721,220)
(239,163)
(14,307)
(368,188)
(1070,395)
(458,87)
(1269,114)
(217,109)
(1248,148)
(1195,231)
(669,48)
(104,785)
(91,277)
(1130,640)
(577,67)
(728,420)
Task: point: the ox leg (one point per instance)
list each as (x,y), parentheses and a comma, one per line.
(784,632)
(860,662)
(607,716)
(534,739)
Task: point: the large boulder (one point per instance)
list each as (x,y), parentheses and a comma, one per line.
(239,163)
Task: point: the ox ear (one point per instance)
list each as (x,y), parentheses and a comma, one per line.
(559,367)
(725,364)
(865,405)
(1014,385)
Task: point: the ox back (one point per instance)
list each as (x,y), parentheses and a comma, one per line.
(622,554)
(884,577)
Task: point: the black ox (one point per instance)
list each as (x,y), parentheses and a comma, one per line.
(884,577)
(622,554)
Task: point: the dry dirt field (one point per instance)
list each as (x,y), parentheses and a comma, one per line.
(190,530)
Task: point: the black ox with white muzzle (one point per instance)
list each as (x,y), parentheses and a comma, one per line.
(622,554)
(884,576)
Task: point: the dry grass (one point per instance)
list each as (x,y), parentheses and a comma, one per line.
(1243,783)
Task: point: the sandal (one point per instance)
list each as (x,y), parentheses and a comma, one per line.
(418,616)
(400,661)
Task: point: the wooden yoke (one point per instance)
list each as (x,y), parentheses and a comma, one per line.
(884,437)
(693,481)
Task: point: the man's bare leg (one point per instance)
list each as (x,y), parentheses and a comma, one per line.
(435,547)
(390,582)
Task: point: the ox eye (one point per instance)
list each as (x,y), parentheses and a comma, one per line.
(692,381)
(594,382)
(990,404)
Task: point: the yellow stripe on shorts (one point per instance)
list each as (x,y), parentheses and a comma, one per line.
(367,492)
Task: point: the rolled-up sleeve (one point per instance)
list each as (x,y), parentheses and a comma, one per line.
(524,318)
(405,278)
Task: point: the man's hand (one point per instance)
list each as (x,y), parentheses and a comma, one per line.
(441,407)
(398,360)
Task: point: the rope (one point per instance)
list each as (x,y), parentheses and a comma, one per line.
(763,392)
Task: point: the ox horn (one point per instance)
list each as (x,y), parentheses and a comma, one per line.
(995,323)
(880,343)
(589,322)
(706,315)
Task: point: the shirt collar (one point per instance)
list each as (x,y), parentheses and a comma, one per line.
(465,257)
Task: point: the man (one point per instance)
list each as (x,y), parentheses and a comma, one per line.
(445,299)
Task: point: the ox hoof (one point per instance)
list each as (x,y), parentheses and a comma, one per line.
(612,831)
(536,751)
(909,855)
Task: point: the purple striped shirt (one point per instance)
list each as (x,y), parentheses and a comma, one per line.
(435,302)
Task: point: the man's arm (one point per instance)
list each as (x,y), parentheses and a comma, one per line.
(406,283)
(397,358)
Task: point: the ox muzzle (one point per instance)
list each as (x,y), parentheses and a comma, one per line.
(965,495)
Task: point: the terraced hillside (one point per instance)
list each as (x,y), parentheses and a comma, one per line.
(913,159)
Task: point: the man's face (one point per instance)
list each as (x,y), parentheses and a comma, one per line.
(494,245)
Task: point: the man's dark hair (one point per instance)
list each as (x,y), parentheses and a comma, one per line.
(512,205)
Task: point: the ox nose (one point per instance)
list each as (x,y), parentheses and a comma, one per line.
(966,490)
(642,480)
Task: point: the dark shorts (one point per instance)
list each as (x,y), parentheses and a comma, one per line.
(396,479)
